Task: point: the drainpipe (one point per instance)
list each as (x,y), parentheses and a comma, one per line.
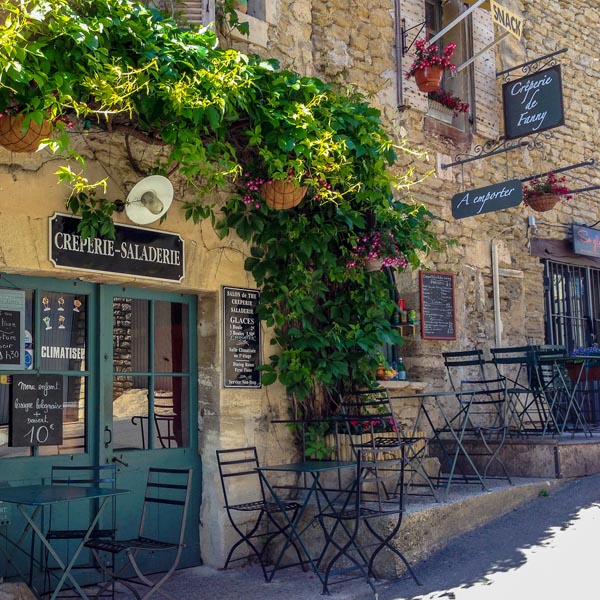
(399,50)
(496,287)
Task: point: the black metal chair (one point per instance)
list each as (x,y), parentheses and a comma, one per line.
(371,425)
(165,507)
(68,525)
(255,518)
(354,534)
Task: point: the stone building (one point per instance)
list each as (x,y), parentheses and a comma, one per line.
(516,276)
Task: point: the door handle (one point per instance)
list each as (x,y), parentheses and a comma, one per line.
(115,459)
(107,442)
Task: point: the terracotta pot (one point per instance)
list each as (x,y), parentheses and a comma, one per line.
(282,195)
(544,202)
(373,264)
(14,138)
(429,79)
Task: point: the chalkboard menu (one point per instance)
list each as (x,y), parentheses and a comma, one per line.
(438,318)
(533,103)
(12,329)
(241,338)
(36,410)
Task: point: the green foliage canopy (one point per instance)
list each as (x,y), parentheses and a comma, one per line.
(223,114)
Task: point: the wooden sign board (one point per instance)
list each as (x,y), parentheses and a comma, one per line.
(533,103)
(438,315)
(36,415)
(241,338)
(487,199)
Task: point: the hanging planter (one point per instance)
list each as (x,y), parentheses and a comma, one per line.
(543,202)
(13,137)
(429,79)
(373,264)
(281,195)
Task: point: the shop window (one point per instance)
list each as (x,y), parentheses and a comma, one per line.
(151,374)
(43,399)
(438,14)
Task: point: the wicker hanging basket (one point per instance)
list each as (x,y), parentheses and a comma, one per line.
(281,195)
(14,138)
(543,202)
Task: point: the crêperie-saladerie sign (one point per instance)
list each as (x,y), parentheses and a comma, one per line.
(533,103)
(134,251)
(586,241)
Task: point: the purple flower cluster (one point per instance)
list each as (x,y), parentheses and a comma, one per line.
(251,190)
(378,245)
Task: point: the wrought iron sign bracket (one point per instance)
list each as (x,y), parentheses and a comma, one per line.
(499,146)
(587,163)
(532,66)
(404,34)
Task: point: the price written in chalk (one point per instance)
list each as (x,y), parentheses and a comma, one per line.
(36,410)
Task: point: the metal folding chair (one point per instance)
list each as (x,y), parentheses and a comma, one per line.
(65,524)
(255,518)
(166,500)
(371,425)
(354,534)
(465,366)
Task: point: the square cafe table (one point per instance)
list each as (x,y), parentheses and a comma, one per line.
(314,491)
(31,498)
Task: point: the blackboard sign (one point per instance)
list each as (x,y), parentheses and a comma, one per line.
(533,103)
(438,318)
(134,251)
(241,338)
(487,199)
(12,329)
(586,241)
(36,410)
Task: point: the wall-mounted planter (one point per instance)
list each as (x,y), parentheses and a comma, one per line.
(429,79)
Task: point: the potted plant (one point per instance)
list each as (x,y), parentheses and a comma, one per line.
(440,99)
(429,65)
(588,359)
(543,193)
(377,249)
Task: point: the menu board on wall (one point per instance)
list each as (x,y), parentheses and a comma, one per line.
(36,410)
(438,316)
(12,329)
(241,338)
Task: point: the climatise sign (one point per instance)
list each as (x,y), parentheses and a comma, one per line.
(533,103)
(487,199)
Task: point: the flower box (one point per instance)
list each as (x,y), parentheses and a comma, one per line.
(440,111)
(591,371)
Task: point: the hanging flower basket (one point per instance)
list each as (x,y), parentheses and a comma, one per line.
(14,138)
(429,79)
(281,195)
(543,202)
(373,264)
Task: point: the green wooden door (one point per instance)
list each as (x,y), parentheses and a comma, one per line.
(149,388)
(125,360)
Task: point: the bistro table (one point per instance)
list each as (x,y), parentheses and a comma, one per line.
(30,499)
(315,491)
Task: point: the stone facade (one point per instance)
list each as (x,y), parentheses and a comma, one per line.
(355,43)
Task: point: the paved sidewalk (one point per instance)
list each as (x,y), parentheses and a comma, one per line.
(546,549)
